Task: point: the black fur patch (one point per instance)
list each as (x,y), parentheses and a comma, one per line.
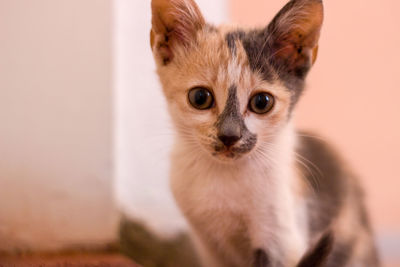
(341,254)
(248,145)
(259,54)
(260,259)
(327,180)
(262,47)
(318,254)
(256,46)
(230,122)
(231,39)
(330,183)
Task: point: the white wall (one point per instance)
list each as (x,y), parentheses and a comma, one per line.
(59,146)
(144,135)
(55,124)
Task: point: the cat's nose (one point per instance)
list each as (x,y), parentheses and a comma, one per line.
(229,139)
(229,132)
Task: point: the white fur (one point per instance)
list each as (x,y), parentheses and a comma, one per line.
(252,195)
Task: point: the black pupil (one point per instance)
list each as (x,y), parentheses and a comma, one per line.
(200,98)
(261,101)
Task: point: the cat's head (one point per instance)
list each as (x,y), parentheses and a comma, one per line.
(229,90)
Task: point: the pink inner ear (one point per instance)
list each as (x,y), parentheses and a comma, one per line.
(296,31)
(296,45)
(187,20)
(174,22)
(296,57)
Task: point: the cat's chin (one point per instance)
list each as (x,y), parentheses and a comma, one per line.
(228,156)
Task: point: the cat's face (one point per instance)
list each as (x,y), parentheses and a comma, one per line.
(231,91)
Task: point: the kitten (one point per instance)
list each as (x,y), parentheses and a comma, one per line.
(255,191)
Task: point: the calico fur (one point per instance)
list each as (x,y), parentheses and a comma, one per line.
(267,199)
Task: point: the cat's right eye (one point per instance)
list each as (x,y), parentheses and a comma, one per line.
(201,98)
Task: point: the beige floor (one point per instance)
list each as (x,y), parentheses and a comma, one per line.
(73,260)
(79,260)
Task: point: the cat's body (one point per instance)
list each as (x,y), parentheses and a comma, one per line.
(235,210)
(255,192)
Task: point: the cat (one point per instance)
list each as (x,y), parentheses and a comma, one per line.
(255,191)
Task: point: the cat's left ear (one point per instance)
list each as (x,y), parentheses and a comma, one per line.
(174,23)
(293,36)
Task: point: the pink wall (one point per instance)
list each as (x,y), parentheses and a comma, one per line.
(353,92)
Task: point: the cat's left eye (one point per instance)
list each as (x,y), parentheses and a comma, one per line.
(261,103)
(201,98)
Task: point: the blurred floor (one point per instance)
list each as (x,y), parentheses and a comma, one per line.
(79,260)
(75,260)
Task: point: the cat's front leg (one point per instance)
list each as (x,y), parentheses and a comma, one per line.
(207,255)
(275,244)
(260,258)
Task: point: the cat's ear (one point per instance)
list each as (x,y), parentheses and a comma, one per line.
(293,36)
(174,23)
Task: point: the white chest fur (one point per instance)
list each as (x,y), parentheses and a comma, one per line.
(237,208)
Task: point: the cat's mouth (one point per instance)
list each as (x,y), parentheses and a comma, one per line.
(237,151)
(222,151)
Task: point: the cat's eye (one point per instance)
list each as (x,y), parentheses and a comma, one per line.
(201,98)
(261,103)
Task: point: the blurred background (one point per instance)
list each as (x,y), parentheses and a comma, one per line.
(84,134)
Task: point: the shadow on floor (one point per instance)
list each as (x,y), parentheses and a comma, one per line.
(150,251)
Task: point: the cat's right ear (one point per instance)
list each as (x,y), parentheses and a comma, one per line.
(174,23)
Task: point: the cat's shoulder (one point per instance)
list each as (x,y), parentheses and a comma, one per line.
(331,182)
(320,159)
